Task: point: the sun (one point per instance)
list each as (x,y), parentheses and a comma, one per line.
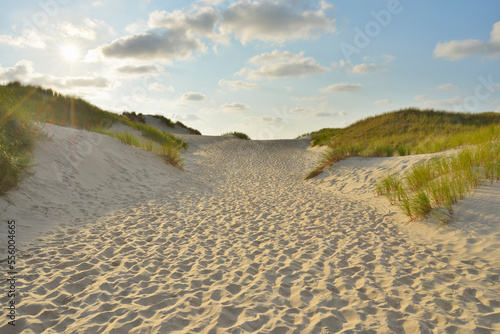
(70,52)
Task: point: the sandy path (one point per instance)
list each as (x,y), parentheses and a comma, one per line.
(248,247)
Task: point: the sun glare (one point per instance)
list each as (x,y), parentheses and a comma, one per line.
(70,52)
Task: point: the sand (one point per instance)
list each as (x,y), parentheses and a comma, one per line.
(239,243)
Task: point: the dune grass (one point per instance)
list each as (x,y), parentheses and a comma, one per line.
(171,153)
(191,130)
(139,118)
(404,132)
(18,135)
(431,188)
(237,134)
(165,120)
(23,106)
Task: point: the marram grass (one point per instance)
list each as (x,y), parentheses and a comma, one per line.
(434,186)
(170,152)
(405,132)
(237,134)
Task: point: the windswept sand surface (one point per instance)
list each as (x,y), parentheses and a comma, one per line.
(238,243)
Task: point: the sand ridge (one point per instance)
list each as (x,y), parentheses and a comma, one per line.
(246,246)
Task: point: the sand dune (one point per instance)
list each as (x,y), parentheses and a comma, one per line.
(238,243)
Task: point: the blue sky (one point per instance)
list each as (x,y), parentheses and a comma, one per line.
(269,68)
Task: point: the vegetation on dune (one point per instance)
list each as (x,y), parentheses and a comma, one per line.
(191,130)
(164,120)
(404,132)
(22,106)
(170,153)
(162,137)
(237,134)
(139,118)
(431,188)
(18,134)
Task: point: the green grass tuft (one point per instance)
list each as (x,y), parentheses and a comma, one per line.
(191,130)
(237,134)
(434,186)
(18,135)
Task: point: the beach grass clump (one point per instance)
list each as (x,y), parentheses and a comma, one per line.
(432,187)
(162,137)
(18,135)
(237,134)
(169,152)
(405,132)
(191,130)
(165,120)
(139,118)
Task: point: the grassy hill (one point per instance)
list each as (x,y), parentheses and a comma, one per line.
(407,131)
(22,106)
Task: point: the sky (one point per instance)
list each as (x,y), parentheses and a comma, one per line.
(270,68)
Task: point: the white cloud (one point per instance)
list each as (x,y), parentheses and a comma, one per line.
(271,119)
(159,87)
(365,68)
(458,49)
(274,20)
(136,27)
(23,71)
(442,103)
(297,110)
(330,113)
(97,3)
(167,45)
(312,111)
(28,38)
(200,23)
(279,64)
(420,97)
(227,108)
(448,86)
(89,29)
(388,58)
(175,35)
(309,98)
(236,106)
(187,117)
(192,96)
(70,30)
(179,34)
(238,84)
(385,101)
(211,2)
(342,88)
(138,69)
